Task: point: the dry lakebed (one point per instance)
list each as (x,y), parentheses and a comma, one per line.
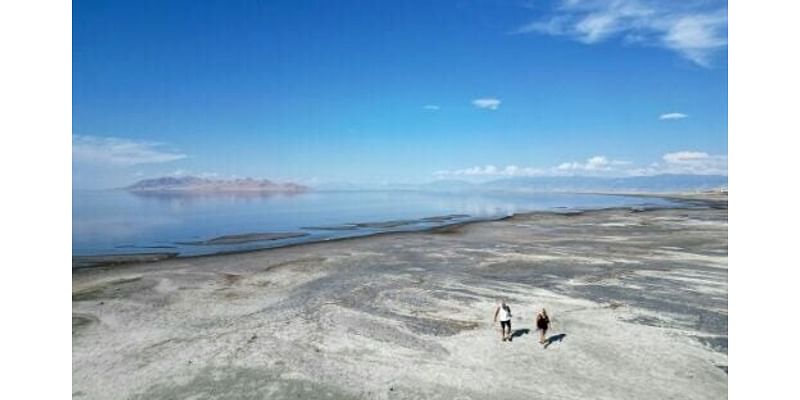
(638,300)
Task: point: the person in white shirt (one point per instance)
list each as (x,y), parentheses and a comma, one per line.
(503,311)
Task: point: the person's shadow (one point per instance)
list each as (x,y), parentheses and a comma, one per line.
(519,332)
(554,338)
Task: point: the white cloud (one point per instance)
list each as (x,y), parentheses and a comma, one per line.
(431,107)
(488,103)
(689,162)
(593,165)
(685,156)
(695,29)
(183,172)
(491,170)
(686,162)
(119,151)
(596,163)
(697,36)
(674,115)
(680,162)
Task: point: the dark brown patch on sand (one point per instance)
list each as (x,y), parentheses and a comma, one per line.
(82,262)
(299,261)
(81,322)
(119,288)
(231,279)
(247,238)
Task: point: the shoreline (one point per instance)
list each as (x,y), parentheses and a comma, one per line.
(108,260)
(638,304)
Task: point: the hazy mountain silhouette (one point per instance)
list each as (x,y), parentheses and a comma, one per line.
(197,184)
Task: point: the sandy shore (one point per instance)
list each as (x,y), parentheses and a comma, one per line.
(641,297)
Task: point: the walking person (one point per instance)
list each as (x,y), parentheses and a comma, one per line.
(542,324)
(503,311)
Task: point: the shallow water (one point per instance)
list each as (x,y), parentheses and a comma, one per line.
(118,222)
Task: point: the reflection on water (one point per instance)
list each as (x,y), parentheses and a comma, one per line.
(201,196)
(108,222)
(116,226)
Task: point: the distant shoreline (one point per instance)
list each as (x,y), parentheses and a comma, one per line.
(79,263)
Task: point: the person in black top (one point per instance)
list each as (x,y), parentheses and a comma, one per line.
(542,324)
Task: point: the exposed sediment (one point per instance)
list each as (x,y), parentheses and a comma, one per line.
(80,262)
(247,238)
(639,299)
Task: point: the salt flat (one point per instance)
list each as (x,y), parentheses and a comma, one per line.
(641,297)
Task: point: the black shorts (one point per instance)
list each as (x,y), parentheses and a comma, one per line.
(542,326)
(504,324)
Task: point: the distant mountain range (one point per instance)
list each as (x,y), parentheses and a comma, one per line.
(653,183)
(193,184)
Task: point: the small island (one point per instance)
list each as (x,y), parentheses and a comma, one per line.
(193,184)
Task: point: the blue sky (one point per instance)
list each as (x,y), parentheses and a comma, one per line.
(408,91)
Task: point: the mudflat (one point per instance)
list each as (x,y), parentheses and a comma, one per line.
(637,299)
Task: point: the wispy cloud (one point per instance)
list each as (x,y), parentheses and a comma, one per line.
(491,170)
(674,115)
(182,172)
(685,156)
(120,151)
(488,103)
(431,107)
(596,163)
(681,162)
(696,29)
(688,162)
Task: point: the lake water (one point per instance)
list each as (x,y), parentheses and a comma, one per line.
(117,222)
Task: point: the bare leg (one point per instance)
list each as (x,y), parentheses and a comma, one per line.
(542,333)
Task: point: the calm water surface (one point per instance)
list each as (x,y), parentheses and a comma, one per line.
(117,222)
